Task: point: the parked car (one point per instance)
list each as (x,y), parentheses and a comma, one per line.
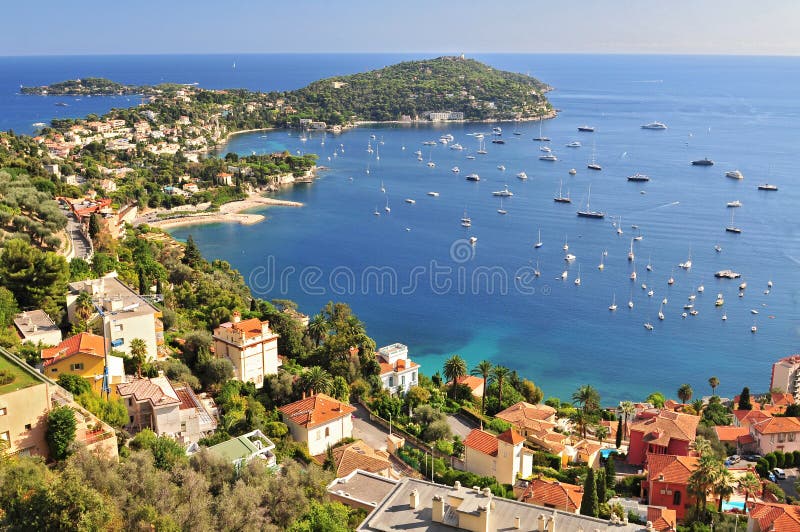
(752,457)
(771,477)
(779,473)
(734,459)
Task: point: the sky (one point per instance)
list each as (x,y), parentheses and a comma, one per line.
(89,27)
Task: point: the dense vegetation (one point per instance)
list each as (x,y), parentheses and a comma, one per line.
(92,86)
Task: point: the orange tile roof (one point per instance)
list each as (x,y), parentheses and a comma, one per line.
(776,517)
(748,417)
(86,343)
(782,399)
(730,434)
(315,410)
(359,455)
(667,426)
(147,390)
(482,441)
(471,381)
(400,365)
(663,519)
(774,425)
(512,437)
(675,469)
(555,494)
(526,415)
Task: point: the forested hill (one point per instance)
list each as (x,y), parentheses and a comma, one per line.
(413,88)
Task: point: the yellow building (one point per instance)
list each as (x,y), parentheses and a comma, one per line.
(82,355)
(251,347)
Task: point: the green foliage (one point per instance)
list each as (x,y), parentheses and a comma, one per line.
(498,425)
(780,459)
(323,516)
(191,253)
(36,278)
(775,490)
(656,399)
(618,436)
(744,400)
(166,452)
(763,467)
(600,483)
(589,502)
(715,413)
(61,427)
(112,410)
(610,477)
(772,458)
(8,307)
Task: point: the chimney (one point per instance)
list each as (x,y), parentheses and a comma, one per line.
(437,510)
(237,316)
(413,499)
(541,520)
(457,486)
(35,328)
(551,523)
(517,522)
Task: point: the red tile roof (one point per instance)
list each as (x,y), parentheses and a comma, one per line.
(251,328)
(667,426)
(730,434)
(512,437)
(748,417)
(315,410)
(399,366)
(553,494)
(86,343)
(675,469)
(482,441)
(147,390)
(663,519)
(776,517)
(526,415)
(359,455)
(471,381)
(774,425)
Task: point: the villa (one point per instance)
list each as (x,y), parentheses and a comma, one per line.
(36,326)
(320,420)
(661,432)
(553,494)
(776,434)
(502,457)
(84,355)
(398,372)
(668,480)
(251,346)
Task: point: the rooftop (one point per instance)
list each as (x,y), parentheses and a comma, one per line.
(669,468)
(362,486)
(157,390)
(663,519)
(486,442)
(730,434)
(113,297)
(86,343)
(315,410)
(774,425)
(666,426)
(34,322)
(553,493)
(251,328)
(359,455)
(23,376)
(773,516)
(240,448)
(522,413)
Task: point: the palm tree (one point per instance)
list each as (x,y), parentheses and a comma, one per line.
(685,393)
(454,369)
(139,354)
(318,329)
(316,380)
(601,432)
(628,409)
(750,485)
(483,369)
(724,484)
(84,308)
(587,397)
(702,480)
(698,405)
(713,382)
(579,418)
(499,375)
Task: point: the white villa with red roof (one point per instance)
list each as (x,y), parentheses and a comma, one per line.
(398,372)
(503,457)
(319,420)
(251,347)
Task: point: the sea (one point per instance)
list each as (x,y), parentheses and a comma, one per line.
(410,272)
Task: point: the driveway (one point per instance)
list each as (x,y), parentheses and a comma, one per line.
(787,484)
(79,242)
(373,434)
(461,425)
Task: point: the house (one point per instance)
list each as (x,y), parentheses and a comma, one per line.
(26,399)
(251,347)
(417,505)
(244,449)
(553,494)
(773,517)
(585,451)
(745,418)
(358,455)
(125,314)
(736,437)
(361,490)
(502,457)
(662,519)
(668,480)
(320,420)
(776,434)
(475,385)
(664,432)
(786,375)
(521,414)
(36,326)
(225,179)
(84,355)
(156,404)
(398,372)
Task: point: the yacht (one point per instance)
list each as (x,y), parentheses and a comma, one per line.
(753,329)
(574,144)
(586,129)
(564,275)
(560,198)
(539,243)
(473,240)
(732,228)
(630,253)
(455,169)
(548,157)
(593,165)
(735,203)
(648,326)
(497,131)
(411,201)
(541,138)
(433,194)
(569,257)
(578,278)
(498,141)
(457,147)
(503,193)
(473,177)
(767,186)
(545,149)
(501,167)
(703,162)
(429,143)
(639,177)
(655,125)
(471,157)
(522,175)
(466,221)
(734,174)
(613,306)
(572,171)
(588,213)
(418,153)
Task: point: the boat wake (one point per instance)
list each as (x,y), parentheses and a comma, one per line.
(648,81)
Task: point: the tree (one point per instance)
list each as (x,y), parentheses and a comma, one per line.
(316,380)
(483,370)
(601,433)
(94,227)
(532,393)
(628,409)
(618,440)
(216,371)
(499,375)
(61,426)
(8,307)
(74,384)
(587,397)
(656,399)
(713,382)
(611,473)
(724,484)
(589,503)
(744,399)
(318,329)
(454,369)
(84,308)
(600,482)
(685,393)
(750,485)
(715,413)
(139,354)
(191,254)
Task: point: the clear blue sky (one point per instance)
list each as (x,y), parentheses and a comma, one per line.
(48,27)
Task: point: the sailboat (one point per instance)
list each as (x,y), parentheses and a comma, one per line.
(630,253)
(671,279)
(649,265)
(377,153)
(613,306)
(367,170)
(482,148)
(661,312)
(501,210)
(560,198)
(383,189)
(688,263)
(431,164)
(593,165)
(466,221)
(537,272)
(732,228)
(566,245)
(541,138)
(630,300)
(578,278)
(633,273)
(377,212)
(538,243)
(588,213)
(387,208)
(601,265)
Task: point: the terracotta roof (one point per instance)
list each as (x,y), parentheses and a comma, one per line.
(359,455)
(667,426)
(775,425)
(250,328)
(86,343)
(782,399)
(553,494)
(399,366)
(315,410)
(471,381)
(744,440)
(776,517)
(526,415)
(675,469)
(482,441)
(748,417)
(152,390)
(730,434)
(512,437)
(663,519)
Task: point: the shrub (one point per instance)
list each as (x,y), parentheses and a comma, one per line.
(6,377)
(772,459)
(61,426)
(780,459)
(498,425)
(762,467)
(788,459)
(438,430)
(445,447)
(775,490)
(74,384)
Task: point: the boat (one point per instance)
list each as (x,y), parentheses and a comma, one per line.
(686,265)
(455,169)
(551,157)
(383,189)
(769,284)
(433,194)
(593,165)
(727,274)
(560,198)
(661,312)
(701,289)
(578,278)
(574,144)
(503,193)
(457,147)
(734,203)
(601,266)
(536,271)
(418,153)
(655,125)
(501,167)
(631,256)
(630,301)
(410,201)
(671,279)
(429,143)
(539,243)
(471,157)
(586,129)
(541,138)
(720,301)
(572,171)
(718,248)
(482,148)
(466,221)
(732,228)
(545,149)
(473,240)
(633,273)
(650,293)
(569,257)
(564,275)
(522,175)
(497,130)
(431,164)
(742,286)
(565,247)
(725,317)
(498,141)
(648,326)
(588,213)
(501,210)
(734,174)
(664,301)
(377,212)
(649,266)
(387,208)
(703,162)
(473,177)
(694,312)
(39,124)
(683,315)
(613,306)
(62,104)
(753,329)
(638,177)
(767,186)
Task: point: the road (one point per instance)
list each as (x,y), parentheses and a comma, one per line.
(461,425)
(79,242)
(373,434)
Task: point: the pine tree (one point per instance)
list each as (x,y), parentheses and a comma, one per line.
(744,399)
(618,442)
(601,486)
(94,227)
(611,474)
(191,255)
(589,504)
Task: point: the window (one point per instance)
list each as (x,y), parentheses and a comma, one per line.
(391,382)
(790,436)
(403,380)
(117,327)
(27,426)
(53,370)
(781,437)
(319,434)
(5,436)
(131,419)
(327,431)
(676,498)
(3,411)
(76,367)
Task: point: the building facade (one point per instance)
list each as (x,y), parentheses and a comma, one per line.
(320,421)
(502,457)
(398,372)
(667,482)
(36,326)
(83,355)
(786,375)
(251,347)
(661,432)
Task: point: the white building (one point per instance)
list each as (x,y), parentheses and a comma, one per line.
(786,375)
(36,326)
(398,372)
(320,420)
(251,347)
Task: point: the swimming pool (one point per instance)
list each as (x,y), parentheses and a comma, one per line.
(605,453)
(733,505)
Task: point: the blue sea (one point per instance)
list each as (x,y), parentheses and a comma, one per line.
(411,275)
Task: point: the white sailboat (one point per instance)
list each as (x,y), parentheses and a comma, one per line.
(565,247)
(482,148)
(387,208)
(613,306)
(466,221)
(630,253)
(501,210)
(601,266)
(633,273)
(537,272)
(538,243)
(661,312)
(630,300)
(649,265)
(383,189)
(377,212)
(578,278)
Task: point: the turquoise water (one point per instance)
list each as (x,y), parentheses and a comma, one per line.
(733,505)
(741,112)
(561,335)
